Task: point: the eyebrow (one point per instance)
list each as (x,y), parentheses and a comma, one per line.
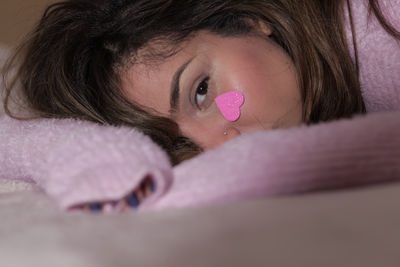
(175,90)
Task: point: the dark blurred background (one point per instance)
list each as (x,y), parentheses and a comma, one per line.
(17,17)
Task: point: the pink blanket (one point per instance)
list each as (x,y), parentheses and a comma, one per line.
(77,162)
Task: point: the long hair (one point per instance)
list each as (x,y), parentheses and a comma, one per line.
(70,65)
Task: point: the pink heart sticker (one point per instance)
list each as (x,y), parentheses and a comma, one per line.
(229,104)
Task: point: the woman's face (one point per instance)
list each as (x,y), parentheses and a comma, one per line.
(184,86)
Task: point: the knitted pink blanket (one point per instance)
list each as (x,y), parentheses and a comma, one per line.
(77,162)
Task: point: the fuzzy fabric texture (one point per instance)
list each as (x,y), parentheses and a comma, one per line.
(378,53)
(345,153)
(78,162)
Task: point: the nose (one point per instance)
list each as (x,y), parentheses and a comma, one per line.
(231,133)
(219,137)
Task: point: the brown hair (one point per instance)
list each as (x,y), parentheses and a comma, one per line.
(69,65)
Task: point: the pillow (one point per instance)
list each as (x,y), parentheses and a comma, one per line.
(77,162)
(351,152)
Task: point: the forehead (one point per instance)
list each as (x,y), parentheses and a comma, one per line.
(148,86)
(147,83)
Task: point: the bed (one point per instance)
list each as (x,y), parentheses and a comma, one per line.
(345,227)
(357,227)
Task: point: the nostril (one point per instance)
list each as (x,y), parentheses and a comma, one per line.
(231,132)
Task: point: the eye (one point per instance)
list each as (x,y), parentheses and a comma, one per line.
(201,92)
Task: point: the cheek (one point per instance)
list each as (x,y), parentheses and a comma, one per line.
(272,99)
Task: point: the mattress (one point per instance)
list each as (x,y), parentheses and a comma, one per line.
(357,227)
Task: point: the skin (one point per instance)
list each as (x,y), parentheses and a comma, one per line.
(212,65)
(253,64)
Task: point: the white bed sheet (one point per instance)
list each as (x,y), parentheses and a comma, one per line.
(358,227)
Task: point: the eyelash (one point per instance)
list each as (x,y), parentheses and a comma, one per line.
(202,84)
